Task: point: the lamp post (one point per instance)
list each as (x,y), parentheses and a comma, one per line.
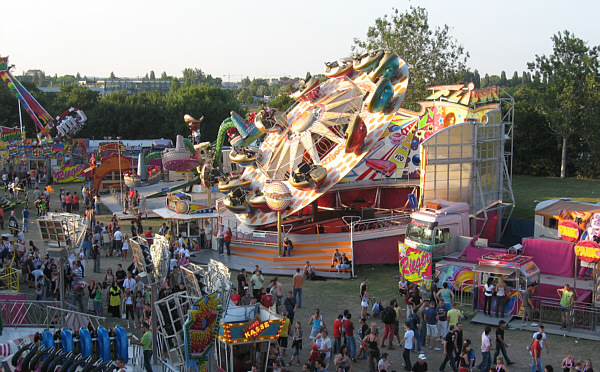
(120,171)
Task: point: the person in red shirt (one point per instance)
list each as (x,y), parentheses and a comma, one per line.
(235,297)
(149,236)
(69,202)
(227,238)
(266,299)
(350,341)
(337,334)
(75,202)
(536,354)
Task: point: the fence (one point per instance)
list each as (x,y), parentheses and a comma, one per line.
(397,221)
(28,313)
(580,316)
(463,292)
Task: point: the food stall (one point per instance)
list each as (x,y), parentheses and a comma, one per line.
(245,333)
(518,271)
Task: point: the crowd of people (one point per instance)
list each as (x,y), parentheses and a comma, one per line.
(430,323)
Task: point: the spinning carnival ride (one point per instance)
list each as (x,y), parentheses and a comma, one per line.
(318,141)
(66,124)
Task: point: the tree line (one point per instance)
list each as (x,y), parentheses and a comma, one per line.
(557,97)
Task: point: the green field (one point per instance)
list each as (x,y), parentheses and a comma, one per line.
(528,189)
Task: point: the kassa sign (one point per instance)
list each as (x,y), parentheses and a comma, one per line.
(588,251)
(415,264)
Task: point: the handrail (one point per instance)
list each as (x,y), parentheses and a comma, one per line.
(580,315)
(393,222)
(30,313)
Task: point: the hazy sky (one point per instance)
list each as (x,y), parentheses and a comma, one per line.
(264,38)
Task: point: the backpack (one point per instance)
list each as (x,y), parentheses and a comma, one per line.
(387,315)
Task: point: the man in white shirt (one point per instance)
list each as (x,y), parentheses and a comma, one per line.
(129,282)
(221,239)
(409,335)
(486,348)
(118,237)
(325,346)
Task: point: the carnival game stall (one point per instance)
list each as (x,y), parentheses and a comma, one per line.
(196,228)
(517,271)
(245,333)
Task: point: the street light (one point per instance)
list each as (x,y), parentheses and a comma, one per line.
(120,171)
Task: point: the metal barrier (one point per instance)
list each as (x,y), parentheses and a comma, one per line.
(581,316)
(463,292)
(9,280)
(137,357)
(29,313)
(398,221)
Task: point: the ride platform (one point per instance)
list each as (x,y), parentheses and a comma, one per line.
(246,256)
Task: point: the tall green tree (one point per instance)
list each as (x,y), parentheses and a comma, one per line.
(570,83)
(433,55)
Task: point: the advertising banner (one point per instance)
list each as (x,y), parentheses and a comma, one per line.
(415,265)
(68,173)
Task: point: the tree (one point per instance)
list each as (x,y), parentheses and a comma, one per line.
(164,76)
(433,56)
(514,81)
(152,76)
(476,79)
(503,80)
(567,95)
(282,102)
(112,76)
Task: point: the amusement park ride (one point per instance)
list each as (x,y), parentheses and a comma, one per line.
(66,124)
(345,156)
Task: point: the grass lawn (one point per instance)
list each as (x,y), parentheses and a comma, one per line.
(527,189)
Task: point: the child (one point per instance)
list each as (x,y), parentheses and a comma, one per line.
(314,357)
(384,364)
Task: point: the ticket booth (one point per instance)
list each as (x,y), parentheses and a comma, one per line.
(245,334)
(517,272)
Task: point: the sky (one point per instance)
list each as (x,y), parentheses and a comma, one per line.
(232,39)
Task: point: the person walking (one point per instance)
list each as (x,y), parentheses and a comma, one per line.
(432,329)
(316,320)
(449,349)
(536,355)
(409,336)
(388,317)
(486,348)
(349,333)
(298,282)
(25,214)
(372,342)
(290,306)
(501,344)
(528,306)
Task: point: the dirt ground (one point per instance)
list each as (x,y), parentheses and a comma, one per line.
(333,296)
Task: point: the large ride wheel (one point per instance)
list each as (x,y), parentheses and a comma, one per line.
(324,136)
